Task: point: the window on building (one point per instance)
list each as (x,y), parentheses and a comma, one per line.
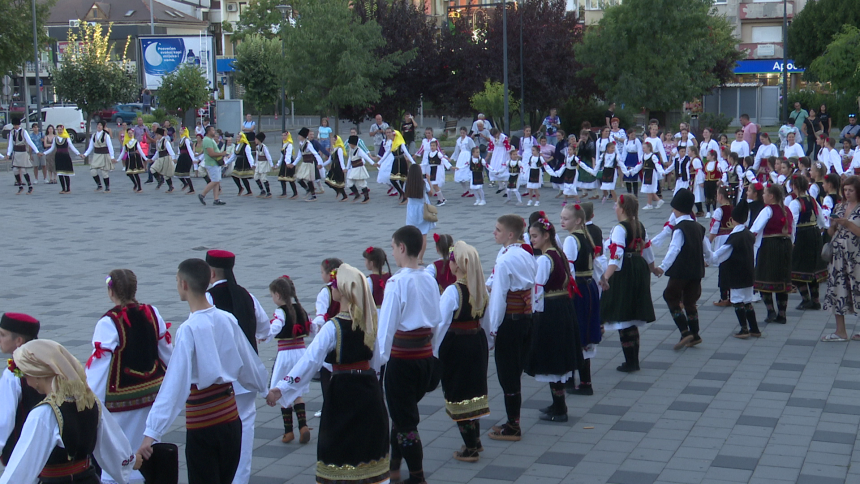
(765,34)
(600,4)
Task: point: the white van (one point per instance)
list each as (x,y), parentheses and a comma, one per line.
(69,116)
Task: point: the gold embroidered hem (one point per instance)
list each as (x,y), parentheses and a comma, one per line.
(468,409)
(366,473)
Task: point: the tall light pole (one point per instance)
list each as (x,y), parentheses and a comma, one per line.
(38,79)
(151,19)
(522,70)
(505,61)
(286,11)
(785,60)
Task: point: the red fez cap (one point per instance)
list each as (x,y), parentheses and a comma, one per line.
(222,259)
(20,323)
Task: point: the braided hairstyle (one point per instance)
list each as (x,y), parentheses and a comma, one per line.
(544,226)
(286,290)
(123,284)
(377,257)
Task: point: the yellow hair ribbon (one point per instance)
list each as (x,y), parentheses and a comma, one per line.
(63,134)
(398,140)
(184,133)
(289,138)
(338,143)
(127,138)
(243,139)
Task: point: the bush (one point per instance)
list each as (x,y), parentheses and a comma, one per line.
(718,123)
(574,111)
(148,119)
(839,105)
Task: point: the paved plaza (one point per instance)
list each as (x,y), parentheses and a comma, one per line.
(784,408)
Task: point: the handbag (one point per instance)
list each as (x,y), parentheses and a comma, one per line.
(431,213)
(827,253)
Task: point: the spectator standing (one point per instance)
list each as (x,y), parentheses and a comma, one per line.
(211,161)
(407,129)
(785,130)
(36,159)
(150,141)
(481,119)
(249,126)
(850,131)
(608,115)
(551,124)
(481,135)
(824,117)
(843,296)
(169,131)
(141,133)
(812,129)
(799,115)
(750,131)
(377,130)
(146,101)
(47,142)
(324,134)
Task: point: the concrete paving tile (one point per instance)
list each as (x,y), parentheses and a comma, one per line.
(630,477)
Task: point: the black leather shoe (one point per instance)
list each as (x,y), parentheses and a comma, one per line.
(554,417)
(627,368)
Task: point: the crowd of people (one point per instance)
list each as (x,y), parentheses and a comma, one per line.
(779,223)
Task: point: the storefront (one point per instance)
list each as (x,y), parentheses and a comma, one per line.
(767,72)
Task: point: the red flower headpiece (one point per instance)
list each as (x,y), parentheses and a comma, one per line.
(285,276)
(621,199)
(546,224)
(758,187)
(577,207)
(368,250)
(10,364)
(542,214)
(333,275)
(436,237)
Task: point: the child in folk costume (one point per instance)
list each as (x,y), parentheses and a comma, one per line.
(336,177)
(737,255)
(434,163)
(462,152)
(533,167)
(17,397)
(846,154)
(243,164)
(681,163)
(497,157)
(69,427)
(439,268)
(101,163)
(579,251)
(185,161)
(626,301)
(19,140)
(684,263)
(568,171)
(697,177)
(286,168)
(831,198)
(633,150)
(718,232)
(509,317)
(374,260)
(289,326)
(713,175)
(163,167)
(817,172)
(398,155)
(651,170)
(131,351)
(476,169)
(808,268)
(354,440)
(215,354)
(262,166)
(62,160)
(462,348)
(610,163)
(733,176)
(327,307)
(356,175)
(555,340)
(515,168)
(310,159)
(774,236)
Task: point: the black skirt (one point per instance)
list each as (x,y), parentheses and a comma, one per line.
(63,163)
(512,181)
(399,168)
(353,442)
(287,173)
(773,265)
(710,190)
(463,358)
(335,178)
(184,164)
(806,262)
(477,178)
(555,342)
(629,294)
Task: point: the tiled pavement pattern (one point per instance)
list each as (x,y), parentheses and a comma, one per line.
(783,408)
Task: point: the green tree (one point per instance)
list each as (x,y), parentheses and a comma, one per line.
(658,61)
(814,27)
(88,77)
(332,56)
(259,68)
(16,32)
(260,17)
(839,64)
(184,89)
(491,101)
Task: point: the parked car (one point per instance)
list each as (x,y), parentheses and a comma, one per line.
(120,113)
(69,116)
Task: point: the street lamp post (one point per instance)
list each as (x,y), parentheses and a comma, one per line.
(38,79)
(522,71)
(286,11)
(505,61)
(785,60)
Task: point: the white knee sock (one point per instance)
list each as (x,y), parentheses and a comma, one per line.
(481,194)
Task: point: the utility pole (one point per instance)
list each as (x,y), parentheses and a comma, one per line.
(38,79)
(505,61)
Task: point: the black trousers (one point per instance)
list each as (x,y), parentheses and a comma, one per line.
(213,453)
(512,345)
(406,382)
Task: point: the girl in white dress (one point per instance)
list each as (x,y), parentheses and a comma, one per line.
(533,172)
(434,163)
(476,171)
(515,174)
(610,163)
(497,156)
(462,153)
(651,170)
(697,175)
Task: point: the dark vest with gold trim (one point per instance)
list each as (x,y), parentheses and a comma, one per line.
(29,399)
(79,432)
(350,347)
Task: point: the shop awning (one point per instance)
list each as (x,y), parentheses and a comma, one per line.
(764,66)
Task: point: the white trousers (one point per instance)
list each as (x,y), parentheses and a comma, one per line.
(246,404)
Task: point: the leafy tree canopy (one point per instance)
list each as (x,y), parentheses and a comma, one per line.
(16,32)
(491,101)
(184,89)
(839,64)
(658,61)
(259,68)
(260,17)
(814,28)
